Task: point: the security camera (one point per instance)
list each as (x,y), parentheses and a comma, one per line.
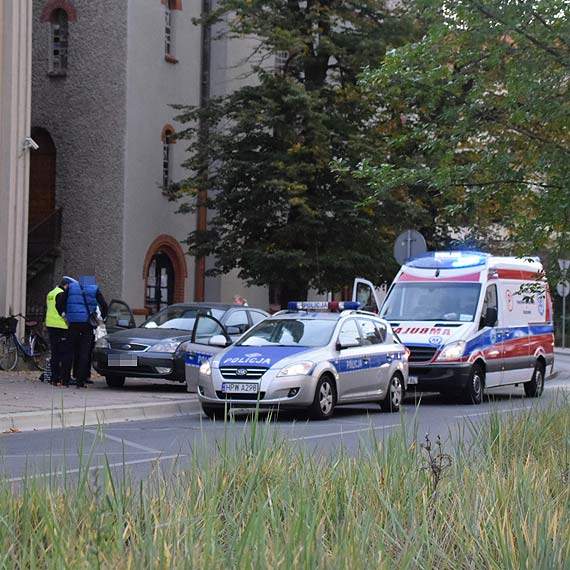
(29,142)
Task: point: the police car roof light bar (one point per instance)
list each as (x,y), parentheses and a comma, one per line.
(322,305)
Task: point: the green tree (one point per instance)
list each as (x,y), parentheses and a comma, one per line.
(478,113)
(280,214)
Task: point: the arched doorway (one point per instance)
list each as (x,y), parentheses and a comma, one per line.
(164,273)
(42,178)
(159,282)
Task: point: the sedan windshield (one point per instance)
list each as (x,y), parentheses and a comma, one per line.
(180,318)
(290,332)
(428,301)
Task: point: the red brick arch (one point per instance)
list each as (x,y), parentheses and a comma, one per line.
(65,5)
(171,247)
(174,5)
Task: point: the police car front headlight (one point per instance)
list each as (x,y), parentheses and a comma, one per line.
(297,369)
(206,369)
(102,343)
(169,346)
(453,351)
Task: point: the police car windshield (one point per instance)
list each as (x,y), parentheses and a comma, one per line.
(180,318)
(427,301)
(290,332)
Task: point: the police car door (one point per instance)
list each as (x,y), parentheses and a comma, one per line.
(352,362)
(380,355)
(199,349)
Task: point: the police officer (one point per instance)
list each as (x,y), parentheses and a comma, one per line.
(57,330)
(76,304)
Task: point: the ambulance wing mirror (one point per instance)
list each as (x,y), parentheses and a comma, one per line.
(490,317)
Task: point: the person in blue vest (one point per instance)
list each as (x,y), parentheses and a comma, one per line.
(57,328)
(76,305)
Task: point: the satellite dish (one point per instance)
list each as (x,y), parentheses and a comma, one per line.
(408,244)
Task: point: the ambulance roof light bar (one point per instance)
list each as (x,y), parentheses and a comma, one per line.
(448,260)
(323,305)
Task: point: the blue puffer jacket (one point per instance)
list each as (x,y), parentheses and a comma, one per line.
(76,311)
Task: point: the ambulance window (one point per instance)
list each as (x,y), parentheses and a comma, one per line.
(490,300)
(365,296)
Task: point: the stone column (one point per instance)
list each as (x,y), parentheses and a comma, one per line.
(15,113)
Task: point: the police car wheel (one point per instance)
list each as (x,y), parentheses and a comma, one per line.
(215,412)
(474,390)
(535,387)
(115,381)
(324,401)
(393,399)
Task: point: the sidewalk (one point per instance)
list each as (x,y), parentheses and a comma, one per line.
(27,404)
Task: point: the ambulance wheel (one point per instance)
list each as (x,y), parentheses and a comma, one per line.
(393,399)
(115,381)
(535,387)
(473,393)
(322,407)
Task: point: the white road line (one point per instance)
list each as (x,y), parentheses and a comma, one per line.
(94,468)
(345,432)
(47,455)
(123,441)
(495,412)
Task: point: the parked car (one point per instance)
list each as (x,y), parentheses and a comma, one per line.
(157,349)
(308,360)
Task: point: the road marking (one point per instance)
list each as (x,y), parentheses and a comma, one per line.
(94,468)
(495,412)
(48,455)
(345,432)
(123,441)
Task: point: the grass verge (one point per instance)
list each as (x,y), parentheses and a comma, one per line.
(500,503)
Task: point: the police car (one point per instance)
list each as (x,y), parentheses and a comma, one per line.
(306,358)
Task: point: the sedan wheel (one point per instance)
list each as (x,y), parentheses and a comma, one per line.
(393,399)
(324,401)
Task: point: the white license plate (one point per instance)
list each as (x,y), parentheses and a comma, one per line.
(122,360)
(239,388)
(412,379)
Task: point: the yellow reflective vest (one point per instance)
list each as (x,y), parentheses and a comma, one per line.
(53,318)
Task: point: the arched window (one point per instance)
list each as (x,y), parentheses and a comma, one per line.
(59,39)
(167,141)
(170,29)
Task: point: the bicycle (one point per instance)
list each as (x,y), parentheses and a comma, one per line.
(34,347)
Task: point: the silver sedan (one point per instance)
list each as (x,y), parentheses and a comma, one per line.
(304,359)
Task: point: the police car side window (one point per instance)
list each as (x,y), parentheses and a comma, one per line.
(239,320)
(370,332)
(349,333)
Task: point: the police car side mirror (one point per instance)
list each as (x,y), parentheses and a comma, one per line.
(219,340)
(346,343)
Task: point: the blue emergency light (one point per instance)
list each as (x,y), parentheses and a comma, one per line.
(323,305)
(448,260)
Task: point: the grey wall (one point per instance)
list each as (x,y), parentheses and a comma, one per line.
(85,113)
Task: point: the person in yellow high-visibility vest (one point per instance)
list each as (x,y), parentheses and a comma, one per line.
(58,333)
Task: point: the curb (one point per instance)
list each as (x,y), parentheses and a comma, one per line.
(75,417)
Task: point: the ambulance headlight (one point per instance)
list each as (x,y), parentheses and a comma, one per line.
(297,369)
(452,351)
(206,369)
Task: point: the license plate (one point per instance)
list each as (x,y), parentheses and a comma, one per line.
(122,360)
(412,379)
(239,388)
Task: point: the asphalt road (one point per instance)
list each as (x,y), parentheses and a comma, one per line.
(137,448)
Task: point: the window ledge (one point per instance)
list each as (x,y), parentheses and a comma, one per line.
(170,58)
(58,73)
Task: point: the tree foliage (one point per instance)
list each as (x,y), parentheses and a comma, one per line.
(279,213)
(475,120)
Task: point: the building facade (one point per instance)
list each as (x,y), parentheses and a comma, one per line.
(104,77)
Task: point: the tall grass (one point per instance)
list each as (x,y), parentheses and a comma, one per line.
(264,503)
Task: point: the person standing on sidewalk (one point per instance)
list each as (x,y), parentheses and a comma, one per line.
(77,304)
(58,332)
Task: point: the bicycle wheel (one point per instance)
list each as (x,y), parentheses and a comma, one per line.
(8,353)
(41,353)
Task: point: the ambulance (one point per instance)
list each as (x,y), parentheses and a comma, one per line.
(472,321)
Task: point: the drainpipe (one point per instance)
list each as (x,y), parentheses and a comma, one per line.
(202,211)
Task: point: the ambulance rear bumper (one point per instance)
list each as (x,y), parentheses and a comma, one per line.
(444,378)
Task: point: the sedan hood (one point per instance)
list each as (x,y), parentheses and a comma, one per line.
(258,356)
(147,336)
